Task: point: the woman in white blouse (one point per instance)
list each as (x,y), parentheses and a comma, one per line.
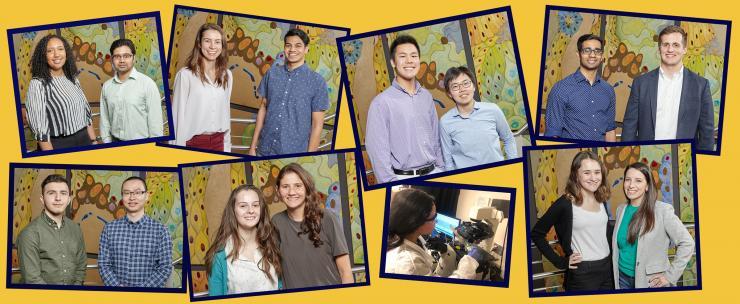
(202,94)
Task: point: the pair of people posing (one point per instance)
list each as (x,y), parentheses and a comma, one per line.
(302,246)
(635,253)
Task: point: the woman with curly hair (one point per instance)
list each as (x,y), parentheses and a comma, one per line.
(201,97)
(58,112)
(312,243)
(244,256)
(581,223)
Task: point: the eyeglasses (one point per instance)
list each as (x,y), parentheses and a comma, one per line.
(589,51)
(124,56)
(464,85)
(133,193)
(433,217)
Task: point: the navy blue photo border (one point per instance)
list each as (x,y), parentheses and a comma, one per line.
(9,256)
(509,235)
(206,10)
(345,80)
(186,247)
(527,203)
(16,89)
(549,8)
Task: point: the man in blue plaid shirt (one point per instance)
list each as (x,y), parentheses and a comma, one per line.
(135,250)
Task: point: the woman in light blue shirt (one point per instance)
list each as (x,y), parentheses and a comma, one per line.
(472,133)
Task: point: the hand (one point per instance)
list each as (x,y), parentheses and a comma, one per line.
(658,281)
(480,255)
(252,151)
(94,142)
(436,243)
(574,259)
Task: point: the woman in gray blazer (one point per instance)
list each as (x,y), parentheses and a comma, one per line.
(645,229)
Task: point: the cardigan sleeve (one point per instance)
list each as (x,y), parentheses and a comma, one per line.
(553,215)
(217,281)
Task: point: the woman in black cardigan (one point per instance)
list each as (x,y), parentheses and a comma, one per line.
(581,222)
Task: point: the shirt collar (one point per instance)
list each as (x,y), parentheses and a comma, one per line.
(456,112)
(678,74)
(296,70)
(579,77)
(397,85)
(142,220)
(133,75)
(51,221)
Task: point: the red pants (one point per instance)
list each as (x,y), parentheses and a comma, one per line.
(213,141)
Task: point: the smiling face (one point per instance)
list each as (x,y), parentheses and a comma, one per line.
(292,191)
(635,184)
(134,195)
(589,175)
(56,197)
(406,61)
(123,59)
(56,55)
(211,44)
(672,49)
(247,209)
(295,50)
(591,54)
(462,90)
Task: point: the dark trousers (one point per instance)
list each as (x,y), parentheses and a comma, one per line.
(625,281)
(77,139)
(590,275)
(214,142)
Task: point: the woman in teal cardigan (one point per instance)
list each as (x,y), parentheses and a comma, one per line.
(244,255)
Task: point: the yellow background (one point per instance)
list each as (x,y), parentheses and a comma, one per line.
(718,206)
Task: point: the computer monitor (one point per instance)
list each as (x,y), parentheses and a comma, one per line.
(446,225)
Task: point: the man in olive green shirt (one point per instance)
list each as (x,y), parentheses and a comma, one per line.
(51,247)
(130,104)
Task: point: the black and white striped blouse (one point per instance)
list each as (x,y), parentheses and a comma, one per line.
(59,108)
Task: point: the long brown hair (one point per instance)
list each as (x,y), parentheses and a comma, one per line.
(267,236)
(195,61)
(312,213)
(573,188)
(410,209)
(644,219)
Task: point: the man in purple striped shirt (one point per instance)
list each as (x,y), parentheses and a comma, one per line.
(402,133)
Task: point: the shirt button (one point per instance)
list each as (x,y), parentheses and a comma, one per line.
(62,242)
(594,130)
(65,270)
(62,255)
(592,101)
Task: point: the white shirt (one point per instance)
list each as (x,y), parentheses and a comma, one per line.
(589,233)
(669,99)
(200,108)
(410,258)
(245,276)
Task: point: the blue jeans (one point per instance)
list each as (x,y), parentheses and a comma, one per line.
(625,281)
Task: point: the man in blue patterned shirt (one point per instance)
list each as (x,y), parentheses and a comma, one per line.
(294,98)
(135,251)
(582,105)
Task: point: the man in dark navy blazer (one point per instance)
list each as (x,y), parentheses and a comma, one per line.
(670,102)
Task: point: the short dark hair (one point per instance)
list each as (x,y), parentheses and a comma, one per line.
(403,39)
(454,72)
(123,42)
(298,33)
(143,181)
(588,37)
(55,178)
(673,29)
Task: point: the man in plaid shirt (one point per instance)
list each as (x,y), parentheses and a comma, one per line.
(135,250)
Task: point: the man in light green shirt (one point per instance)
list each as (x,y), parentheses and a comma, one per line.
(51,249)
(130,104)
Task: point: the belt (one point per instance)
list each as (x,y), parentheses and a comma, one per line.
(421,171)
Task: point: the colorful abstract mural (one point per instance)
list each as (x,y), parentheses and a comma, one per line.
(630,50)
(550,170)
(195,180)
(254,45)
(97,201)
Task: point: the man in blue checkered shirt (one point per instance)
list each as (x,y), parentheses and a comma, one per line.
(135,250)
